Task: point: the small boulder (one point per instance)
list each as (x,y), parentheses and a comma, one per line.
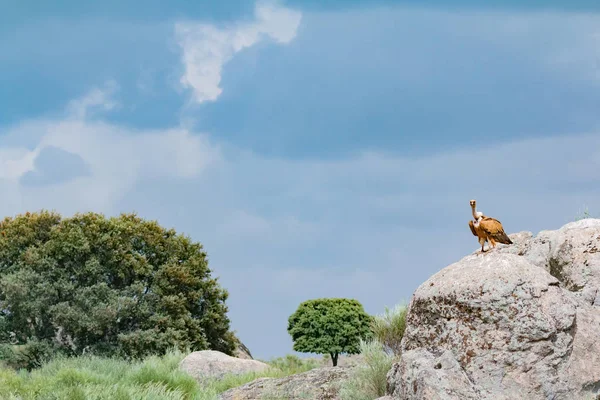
(210,364)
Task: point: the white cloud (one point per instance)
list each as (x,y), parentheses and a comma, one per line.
(15,162)
(95,98)
(118,157)
(207,48)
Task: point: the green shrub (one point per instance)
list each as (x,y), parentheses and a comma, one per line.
(107,286)
(329,326)
(368,379)
(389,328)
(27,356)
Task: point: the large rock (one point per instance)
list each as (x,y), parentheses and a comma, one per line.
(519,322)
(316,384)
(571,254)
(209,364)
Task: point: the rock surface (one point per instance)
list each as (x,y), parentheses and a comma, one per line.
(214,364)
(571,254)
(519,322)
(241,351)
(316,384)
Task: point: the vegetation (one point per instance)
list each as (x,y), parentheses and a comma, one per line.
(98,378)
(329,326)
(388,328)
(583,215)
(368,379)
(292,364)
(117,286)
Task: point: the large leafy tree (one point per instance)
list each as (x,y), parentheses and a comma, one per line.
(329,326)
(119,286)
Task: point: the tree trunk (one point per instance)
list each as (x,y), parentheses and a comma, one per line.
(334,358)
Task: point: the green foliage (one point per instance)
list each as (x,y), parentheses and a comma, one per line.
(329,326)
(107,286)
(91,377)
(389,328)
(368,379)
(27,356)
(100,378)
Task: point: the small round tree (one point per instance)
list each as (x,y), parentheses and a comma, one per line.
(329,326)
(110,286)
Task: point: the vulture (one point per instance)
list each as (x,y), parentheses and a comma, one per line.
(487,228)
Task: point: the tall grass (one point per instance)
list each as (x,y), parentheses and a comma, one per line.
(584,214)
(96,378)
(368,379)
(388,328)
(292,364)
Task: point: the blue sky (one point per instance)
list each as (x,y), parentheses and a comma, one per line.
(316,149)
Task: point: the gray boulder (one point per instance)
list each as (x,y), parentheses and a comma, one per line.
(210,364)
(519,322)
(571,254)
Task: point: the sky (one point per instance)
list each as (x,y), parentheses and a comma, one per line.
(315,149)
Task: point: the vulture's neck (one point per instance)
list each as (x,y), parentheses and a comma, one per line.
(474,213)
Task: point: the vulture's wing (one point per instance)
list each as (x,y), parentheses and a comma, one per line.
(472,228)
(494,229)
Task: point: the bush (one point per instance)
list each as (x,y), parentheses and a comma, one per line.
(27,356)
(329,326)
(368,379)
(389,328)
(107,286)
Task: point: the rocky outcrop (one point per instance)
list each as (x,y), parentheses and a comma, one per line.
(209,364)
(571,254)
(317,384)
(519,322)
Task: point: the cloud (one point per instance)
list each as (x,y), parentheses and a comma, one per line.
(108,160)
(54,165)
(207,48)
(15,161)
(97,98)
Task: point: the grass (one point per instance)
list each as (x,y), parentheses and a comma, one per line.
(368,379)
(96,378)
(388,328)
(584,215)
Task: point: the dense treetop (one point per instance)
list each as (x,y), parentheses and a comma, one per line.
(329,326)
(112,286)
